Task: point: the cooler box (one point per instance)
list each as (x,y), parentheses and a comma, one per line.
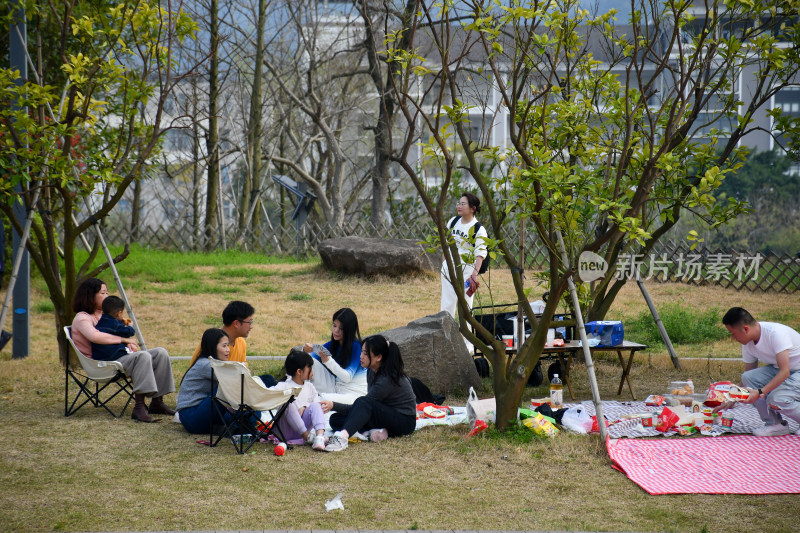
(610,332)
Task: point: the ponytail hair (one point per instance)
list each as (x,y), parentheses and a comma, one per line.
(391,360)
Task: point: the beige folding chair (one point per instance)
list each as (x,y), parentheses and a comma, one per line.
(242,396)
(98,382)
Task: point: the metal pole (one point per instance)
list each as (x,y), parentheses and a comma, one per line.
(587,353)
(661,329)
(21,287)
(117,279)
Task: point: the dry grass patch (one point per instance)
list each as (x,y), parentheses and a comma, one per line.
(92,472)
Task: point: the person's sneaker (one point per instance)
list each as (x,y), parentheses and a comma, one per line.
(310,439)
(377,435)
(336,443)
(797,432)
(360,437)
(772,430)
(319,443)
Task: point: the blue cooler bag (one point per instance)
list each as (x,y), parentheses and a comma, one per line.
(610,332)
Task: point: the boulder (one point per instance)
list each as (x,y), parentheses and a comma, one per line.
(433,351)
(362,255)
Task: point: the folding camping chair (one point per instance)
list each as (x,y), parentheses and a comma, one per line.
(242,395)
(98,382)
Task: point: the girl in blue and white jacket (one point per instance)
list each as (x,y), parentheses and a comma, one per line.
(338,374)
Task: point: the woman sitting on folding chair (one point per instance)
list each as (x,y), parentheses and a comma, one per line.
(388,410)
(194,396)
(150,370)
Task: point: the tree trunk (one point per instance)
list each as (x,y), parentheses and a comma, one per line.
(212,138)
(135,209)
(251,190)
(196,177)
(380,174)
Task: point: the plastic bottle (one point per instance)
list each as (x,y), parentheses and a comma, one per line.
(280,449)
(556,392)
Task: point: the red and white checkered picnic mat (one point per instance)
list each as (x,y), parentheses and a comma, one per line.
(738,464)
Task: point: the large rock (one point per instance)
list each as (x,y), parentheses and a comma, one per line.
(362,255)
(433,351)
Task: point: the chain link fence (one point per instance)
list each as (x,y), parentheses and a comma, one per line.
(669,261)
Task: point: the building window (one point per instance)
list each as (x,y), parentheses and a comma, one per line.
(788,101)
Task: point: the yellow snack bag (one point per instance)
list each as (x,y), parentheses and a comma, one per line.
(540,425)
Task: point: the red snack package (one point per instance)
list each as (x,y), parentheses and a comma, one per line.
(446,409)
(724,392)
(480,425)
(666,420)
(595,425)
(656,400)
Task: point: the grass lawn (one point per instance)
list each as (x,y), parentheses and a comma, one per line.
(92,472)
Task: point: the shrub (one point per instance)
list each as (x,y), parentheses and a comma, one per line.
(684,326)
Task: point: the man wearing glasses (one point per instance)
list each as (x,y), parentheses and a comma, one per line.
(237,321)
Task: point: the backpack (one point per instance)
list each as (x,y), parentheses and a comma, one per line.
(477,226)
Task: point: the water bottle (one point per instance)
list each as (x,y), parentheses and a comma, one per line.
(556,392)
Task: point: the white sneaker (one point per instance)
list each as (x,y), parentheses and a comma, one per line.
(797,432)
(319,443)
(772,430)
(311,436)
(363,437)
(336,443)
(377,435)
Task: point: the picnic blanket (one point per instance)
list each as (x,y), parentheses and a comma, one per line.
(734,464)
(745,420)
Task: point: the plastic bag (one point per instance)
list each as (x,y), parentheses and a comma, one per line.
(335,503)
(485,409)
(577,420)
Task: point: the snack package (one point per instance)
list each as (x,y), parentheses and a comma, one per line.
(656,400)
(596,426)
(536,402)
(479,426)
(666,420)
(444,409)
(724,392)
(540,425)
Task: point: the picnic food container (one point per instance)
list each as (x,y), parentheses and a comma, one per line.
(707,418)
(681,388)
(692,402)
(649,420)
(536,402)
(726,420)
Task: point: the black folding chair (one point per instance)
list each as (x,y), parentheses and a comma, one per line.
(98,382)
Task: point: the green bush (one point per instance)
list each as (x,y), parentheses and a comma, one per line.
(684,326)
